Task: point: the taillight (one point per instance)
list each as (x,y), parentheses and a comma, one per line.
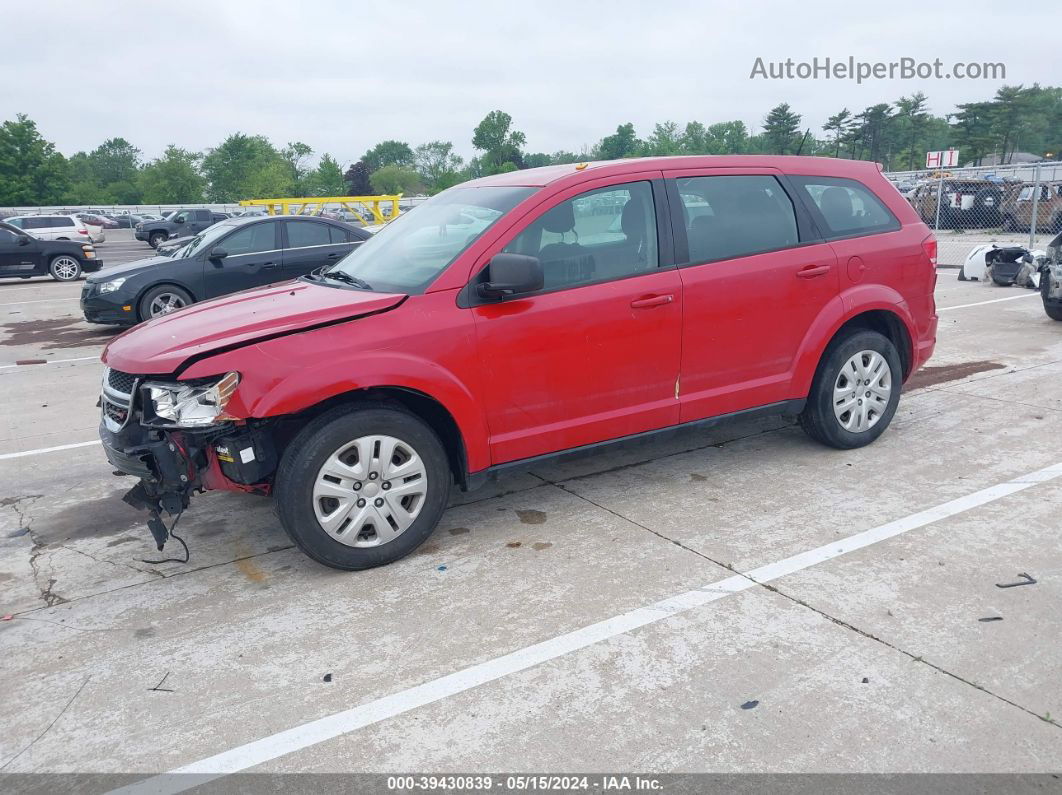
(929,245)
(82,231)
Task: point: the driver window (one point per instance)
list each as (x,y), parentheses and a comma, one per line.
(601,235)
(251,239)
(180,218)
(7,236)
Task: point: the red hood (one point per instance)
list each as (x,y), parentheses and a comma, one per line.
(164,344)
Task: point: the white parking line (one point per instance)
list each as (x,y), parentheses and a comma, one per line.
(42,450)
(42,301)
(52,361)
(332,726)
(993,301)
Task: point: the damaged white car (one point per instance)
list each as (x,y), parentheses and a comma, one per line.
(1004,265)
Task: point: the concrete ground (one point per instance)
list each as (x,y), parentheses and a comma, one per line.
(591,615)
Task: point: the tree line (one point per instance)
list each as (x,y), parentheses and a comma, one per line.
(896,134)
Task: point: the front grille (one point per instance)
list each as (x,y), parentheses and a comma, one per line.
(115,413)
(120,382)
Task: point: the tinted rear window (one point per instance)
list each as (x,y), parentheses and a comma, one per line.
(847,206)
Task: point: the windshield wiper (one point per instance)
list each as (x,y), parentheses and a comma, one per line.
(343,276)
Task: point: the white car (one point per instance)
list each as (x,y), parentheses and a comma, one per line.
(57,227)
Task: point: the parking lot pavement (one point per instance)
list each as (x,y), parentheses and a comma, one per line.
(728,599)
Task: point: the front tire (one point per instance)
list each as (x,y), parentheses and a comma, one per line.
(362,486)
(162,300)
(65,268)
(156,239)
(1052,308)
(855,392)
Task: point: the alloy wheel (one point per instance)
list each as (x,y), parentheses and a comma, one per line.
(164,303)
(65,268)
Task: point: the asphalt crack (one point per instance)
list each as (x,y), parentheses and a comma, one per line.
(1046,718)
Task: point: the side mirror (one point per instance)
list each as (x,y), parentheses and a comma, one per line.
(1027,258)
(218,253)
(511,274)
(24,240)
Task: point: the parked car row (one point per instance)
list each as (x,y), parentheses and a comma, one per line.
(987,203)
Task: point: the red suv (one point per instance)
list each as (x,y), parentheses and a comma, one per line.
(524,315)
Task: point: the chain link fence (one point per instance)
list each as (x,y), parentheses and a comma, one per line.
(1012,205)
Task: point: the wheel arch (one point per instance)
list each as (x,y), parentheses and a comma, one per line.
(890,318)
(420,404)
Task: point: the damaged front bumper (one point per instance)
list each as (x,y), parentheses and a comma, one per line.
(172,464)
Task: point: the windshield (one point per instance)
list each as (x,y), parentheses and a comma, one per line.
(407,254)
(203,240)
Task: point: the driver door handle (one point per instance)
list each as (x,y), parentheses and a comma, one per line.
(335,255)
(269,266)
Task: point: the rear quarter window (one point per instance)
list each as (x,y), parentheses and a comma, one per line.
(846,207)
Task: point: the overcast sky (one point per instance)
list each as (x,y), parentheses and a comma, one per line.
(343,75)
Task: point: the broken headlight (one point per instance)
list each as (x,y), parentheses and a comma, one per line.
(192,405)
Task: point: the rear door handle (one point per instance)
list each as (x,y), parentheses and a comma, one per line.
(811,271)
(269,266)
(656,300)
(336,255)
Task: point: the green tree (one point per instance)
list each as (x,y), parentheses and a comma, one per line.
(31,171)
(972,130)
(394,178)
(837,127)
(912,115)
(728,137)
(327,179)
(295,154)
(245,167)
(622,143)
(781,129)
(173,178)
(499,142)
(389,153)
(357,180)
(664,140)
(437,165)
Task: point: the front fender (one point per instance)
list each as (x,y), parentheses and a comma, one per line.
(275,386)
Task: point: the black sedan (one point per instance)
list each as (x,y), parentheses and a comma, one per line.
(230,256)
(23,256)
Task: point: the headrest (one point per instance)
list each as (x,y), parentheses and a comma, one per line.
(632,221)
(560,219)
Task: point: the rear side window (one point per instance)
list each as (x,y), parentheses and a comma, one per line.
(847,206)
(34,223)
(734,216)
(338,235)
(307,233)
(57,223)
(251,239)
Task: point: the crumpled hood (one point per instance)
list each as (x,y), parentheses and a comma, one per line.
(162,345)
(128,269)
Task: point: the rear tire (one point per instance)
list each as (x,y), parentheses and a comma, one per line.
(344,452)
(843,410)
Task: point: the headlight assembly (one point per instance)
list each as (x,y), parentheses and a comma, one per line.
(112,285)
(190,405)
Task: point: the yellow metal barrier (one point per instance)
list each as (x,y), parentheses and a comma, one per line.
(314,205)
